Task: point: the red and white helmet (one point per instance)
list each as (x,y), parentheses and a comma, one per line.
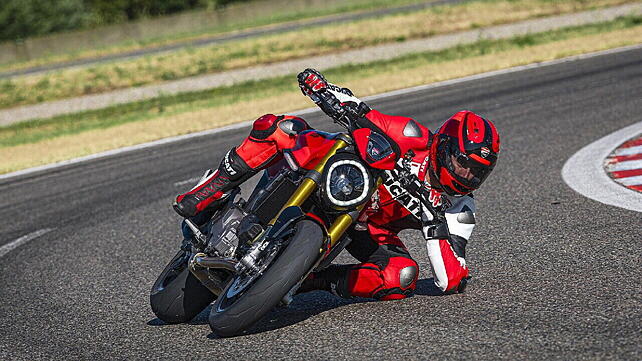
(463,153)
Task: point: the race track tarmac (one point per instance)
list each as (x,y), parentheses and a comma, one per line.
(556,275)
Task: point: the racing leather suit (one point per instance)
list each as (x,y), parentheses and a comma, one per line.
(386,270)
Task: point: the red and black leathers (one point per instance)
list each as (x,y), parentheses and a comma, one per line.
(446,222)
(386,272)
(394,208)
(262,148)
(386,269)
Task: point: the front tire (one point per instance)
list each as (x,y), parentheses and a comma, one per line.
(230,317)
(178,296)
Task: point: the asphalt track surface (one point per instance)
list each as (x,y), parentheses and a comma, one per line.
(555,274)
(220,39)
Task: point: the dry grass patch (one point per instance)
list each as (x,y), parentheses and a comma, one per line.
(254,21)
(269,49)
(71,146)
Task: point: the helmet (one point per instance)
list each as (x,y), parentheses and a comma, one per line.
(463,153)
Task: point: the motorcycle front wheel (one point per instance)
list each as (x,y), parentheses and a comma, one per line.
(178,296)
(235,311)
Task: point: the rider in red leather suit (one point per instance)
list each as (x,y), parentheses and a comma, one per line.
(447,166)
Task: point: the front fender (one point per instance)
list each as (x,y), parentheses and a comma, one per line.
(286,220)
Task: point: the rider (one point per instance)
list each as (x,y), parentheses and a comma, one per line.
(446,167)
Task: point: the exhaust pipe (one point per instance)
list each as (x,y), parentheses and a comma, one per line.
(227,264)
(200,266)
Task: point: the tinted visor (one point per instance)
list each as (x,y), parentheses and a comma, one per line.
(462,168)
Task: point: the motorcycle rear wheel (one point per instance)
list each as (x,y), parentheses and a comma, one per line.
(232,316)
(178,296)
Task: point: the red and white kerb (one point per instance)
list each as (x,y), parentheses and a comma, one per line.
(624,165)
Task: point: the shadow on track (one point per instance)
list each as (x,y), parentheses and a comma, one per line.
(302,307)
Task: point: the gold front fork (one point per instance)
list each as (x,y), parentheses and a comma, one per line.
(309,185)
(343,222)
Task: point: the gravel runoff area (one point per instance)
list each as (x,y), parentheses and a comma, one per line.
(381,52)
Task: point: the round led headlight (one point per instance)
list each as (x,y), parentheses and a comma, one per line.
(347,183)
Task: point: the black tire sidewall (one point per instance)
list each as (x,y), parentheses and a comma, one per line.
(182,298)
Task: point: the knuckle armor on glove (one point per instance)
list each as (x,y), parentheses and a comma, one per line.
(311,81)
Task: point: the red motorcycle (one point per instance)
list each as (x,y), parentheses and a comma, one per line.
(254,254)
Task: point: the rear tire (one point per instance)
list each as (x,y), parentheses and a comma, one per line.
(178,296)
(230,317)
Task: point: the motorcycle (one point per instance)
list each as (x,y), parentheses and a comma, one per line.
(252,255)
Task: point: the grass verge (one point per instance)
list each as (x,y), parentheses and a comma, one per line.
(274,48)
(45,141)
(283,16)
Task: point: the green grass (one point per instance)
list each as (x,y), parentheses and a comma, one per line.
(284,16)
(37,130)
(275,48)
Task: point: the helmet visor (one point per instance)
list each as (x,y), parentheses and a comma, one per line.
(468,172)
(462,168)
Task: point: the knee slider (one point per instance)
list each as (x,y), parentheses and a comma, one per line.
(264,126)
(399,276)
(407,275)
(401,272)
(268,124)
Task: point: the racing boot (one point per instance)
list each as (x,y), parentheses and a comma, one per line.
(330,279)
(231,172)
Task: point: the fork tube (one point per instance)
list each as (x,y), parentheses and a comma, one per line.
(341,224)
(310,183)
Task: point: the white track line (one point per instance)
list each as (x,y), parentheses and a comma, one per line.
(22,240)
(191,180)
(311,110)
(584,172)
(629,151)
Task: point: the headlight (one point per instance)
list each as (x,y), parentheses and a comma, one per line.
(347,183)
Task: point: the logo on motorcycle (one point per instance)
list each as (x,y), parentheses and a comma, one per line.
(485,152)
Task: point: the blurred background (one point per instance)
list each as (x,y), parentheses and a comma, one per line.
(79,77)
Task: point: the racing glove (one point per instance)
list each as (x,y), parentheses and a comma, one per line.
(337,102)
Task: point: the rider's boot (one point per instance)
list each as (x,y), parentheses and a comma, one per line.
(231,172)
(330,279)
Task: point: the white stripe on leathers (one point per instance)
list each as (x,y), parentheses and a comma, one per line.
(437,264)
